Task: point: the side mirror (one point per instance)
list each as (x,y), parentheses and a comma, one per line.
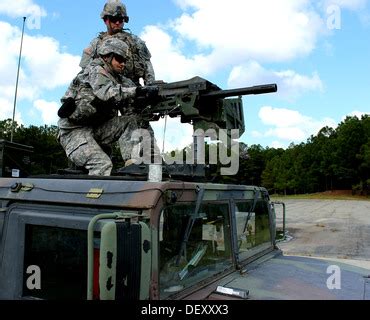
(124,261)
(279,234)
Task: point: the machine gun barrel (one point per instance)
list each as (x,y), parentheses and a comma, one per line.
(201,103)
(260,89)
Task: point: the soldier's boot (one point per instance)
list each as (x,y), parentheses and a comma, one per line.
(72,169)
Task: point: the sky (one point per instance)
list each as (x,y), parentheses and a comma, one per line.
(317,52)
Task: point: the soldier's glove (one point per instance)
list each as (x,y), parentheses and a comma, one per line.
(147,95)
(67,108)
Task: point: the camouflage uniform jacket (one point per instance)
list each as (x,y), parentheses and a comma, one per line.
(138,63)
(98,83)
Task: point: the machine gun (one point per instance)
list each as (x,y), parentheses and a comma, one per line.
(202,103)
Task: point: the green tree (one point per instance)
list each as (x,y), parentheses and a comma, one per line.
(350,136)
(48,155)
(6,129)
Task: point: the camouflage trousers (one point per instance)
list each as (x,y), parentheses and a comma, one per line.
(83,145)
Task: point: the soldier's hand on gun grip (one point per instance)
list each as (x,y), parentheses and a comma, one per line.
(149,93)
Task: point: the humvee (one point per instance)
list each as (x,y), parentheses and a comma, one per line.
(79,237)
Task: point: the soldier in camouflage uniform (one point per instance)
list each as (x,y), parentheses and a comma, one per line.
(138,65)
(89,118)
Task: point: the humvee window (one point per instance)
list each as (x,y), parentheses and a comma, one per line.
(61,256)
(193,246)
(253,228)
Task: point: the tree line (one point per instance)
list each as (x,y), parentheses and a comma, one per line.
(333,159)
(48,155)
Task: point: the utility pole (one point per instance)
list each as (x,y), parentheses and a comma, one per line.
(16,84)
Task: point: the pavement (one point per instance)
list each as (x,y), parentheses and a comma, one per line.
(335,229)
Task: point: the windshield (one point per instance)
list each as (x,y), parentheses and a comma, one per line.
(193,245)
(253,227)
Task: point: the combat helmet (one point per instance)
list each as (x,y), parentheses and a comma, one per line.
(113,45)
(115,8)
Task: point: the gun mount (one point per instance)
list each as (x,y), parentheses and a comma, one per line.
(202,103)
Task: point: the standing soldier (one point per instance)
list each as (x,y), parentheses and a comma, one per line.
(138,65)
(89,119)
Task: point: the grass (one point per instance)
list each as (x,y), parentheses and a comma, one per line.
(327,195)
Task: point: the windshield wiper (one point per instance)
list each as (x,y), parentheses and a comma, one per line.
(256,195)
(194,216)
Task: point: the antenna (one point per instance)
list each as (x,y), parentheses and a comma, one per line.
(16,84)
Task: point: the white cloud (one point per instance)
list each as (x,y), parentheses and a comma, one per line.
(6,111)
(44,67)
(291,125)
(291,85)
(168,61)
(287,125)
(219,35)
(177,136)
(296,134)
(48,111)
(20,8)
(256,134)
(281,117)
(253,28)
(46,63)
